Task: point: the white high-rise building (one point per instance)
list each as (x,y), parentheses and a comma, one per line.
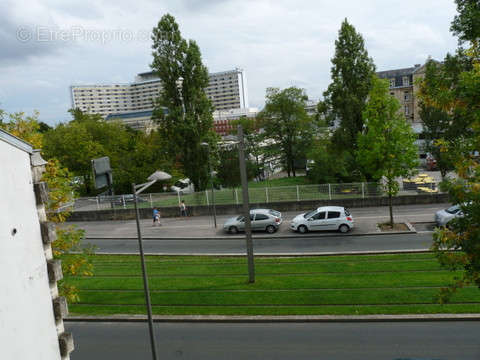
(227,90)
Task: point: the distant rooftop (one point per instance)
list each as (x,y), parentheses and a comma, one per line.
(398,72)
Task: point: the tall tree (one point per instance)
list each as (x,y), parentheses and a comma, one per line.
(386,148)
(458,247)
(345,98)
(466,25)
(183,111)
(443,123)
(285,121)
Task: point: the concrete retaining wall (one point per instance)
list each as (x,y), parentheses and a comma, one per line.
(128,214)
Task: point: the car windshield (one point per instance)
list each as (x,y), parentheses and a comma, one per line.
(308,214)
(453,209)
(240,218)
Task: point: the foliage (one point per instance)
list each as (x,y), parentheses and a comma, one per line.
(183,111)
(445,122)
(59,182)
(328,166)
(345,98)
(386,149)
(466,25)
(255,148)
(229,169)
(464,233)
(25,127)
(458,246)
(286,122)
(133,155)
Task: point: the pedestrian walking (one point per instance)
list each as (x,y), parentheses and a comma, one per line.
(183,209)
(156,217)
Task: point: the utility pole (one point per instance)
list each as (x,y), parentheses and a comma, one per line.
(246,206)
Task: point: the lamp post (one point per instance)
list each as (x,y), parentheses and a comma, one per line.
(137,189)
(204,144)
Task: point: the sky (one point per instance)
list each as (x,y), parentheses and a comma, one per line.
(49,45)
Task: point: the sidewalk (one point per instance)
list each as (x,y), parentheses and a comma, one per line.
(202,227)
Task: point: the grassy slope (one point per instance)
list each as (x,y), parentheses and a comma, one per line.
(386,284)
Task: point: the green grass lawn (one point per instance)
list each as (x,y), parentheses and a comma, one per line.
(381,284)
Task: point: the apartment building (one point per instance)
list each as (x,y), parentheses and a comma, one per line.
(403,88)
(226,89)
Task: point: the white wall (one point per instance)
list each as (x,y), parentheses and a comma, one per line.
(27,325)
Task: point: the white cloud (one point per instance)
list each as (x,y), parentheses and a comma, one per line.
(278,42)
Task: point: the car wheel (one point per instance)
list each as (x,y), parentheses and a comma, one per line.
(343,228)
(232,230)
(270,229)
(302,229)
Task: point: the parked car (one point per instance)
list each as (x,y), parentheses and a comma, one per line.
(261,220)
(183,186)
(443,217)
(323,218)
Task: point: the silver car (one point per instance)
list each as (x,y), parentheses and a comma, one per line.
(443,217)
(261,220)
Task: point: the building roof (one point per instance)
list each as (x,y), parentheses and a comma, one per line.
(398,72)
(15,141)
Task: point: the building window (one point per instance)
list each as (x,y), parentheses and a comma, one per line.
(407,110)
(406,81)
(392,83)
(406,96)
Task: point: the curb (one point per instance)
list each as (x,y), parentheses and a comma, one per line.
(289,254)
(284,319)
(235,237)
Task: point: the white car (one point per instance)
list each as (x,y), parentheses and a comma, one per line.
(323,218)
(443,217)
(183,186)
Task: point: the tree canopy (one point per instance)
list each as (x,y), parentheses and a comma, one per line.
(345,98)
(386,148)
(286,122)
(183,111)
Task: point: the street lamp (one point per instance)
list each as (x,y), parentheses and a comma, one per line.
(204,144)
(137,189)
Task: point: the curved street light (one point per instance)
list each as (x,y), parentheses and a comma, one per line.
(137,189)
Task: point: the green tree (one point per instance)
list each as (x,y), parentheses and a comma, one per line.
(328,166)
(443,123)
(458,247)
(228,169)
(183,111)
(286,122)
(466,25)
(133,155)
(254,146)
(345,98)
(386,148)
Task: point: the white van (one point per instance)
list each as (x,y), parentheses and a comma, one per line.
(183,186)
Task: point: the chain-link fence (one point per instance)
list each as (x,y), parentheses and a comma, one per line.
(256,195)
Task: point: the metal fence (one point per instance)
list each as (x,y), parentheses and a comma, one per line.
(234,196)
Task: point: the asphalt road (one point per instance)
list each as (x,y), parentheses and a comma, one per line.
(450,340)
(325,243)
